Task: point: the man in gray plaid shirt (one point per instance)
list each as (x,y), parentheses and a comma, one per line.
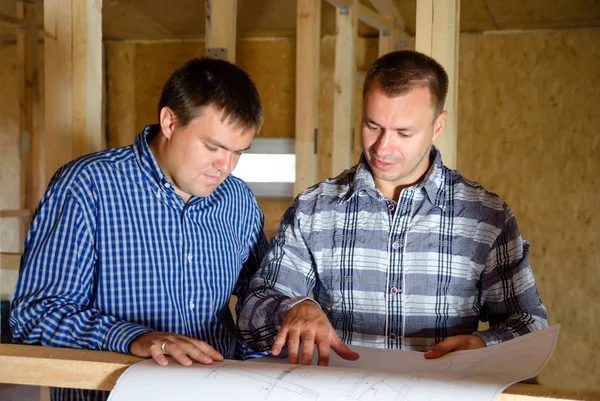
(399,251)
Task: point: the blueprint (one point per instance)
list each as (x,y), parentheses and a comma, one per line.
(379,374)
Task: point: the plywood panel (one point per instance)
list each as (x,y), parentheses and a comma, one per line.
(120,78)
(528,126)
(9,145)
(275,80)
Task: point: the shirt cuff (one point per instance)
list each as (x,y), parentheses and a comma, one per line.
(286,305)
(121,334)
(492,337)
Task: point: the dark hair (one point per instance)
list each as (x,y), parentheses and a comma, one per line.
(201,82)
(398,72)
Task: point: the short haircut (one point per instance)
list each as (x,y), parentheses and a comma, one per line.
(203,82)
(398,72)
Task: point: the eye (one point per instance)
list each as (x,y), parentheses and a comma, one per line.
(210,148)
(373,127)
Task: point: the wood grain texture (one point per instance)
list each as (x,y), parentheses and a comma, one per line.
(528,131)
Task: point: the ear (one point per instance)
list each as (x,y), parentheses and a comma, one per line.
(168,120)
(439,124)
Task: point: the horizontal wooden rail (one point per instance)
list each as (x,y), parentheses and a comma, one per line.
(99,370)
(15,213)
(10,261)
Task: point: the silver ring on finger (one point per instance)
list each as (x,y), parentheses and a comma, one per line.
(162,348)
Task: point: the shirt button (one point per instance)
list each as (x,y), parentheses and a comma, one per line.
(394,290)
(157,194)
(392,336)
(390,207)
(189,257)
(395,245)
(192,305)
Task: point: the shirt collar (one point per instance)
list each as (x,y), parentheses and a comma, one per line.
(432,184)
(145,157)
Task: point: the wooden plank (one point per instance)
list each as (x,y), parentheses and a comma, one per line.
(341,3)
(221,18)
(308,29)
(23,213)
(121,75)
(344,76)
(87,76)
(10,261)
(389,8)
(62,367)
(99,370)
(29,111)
(373,18)
(73,77)
(20,22)
(398,38)
(387,39)
(438,24)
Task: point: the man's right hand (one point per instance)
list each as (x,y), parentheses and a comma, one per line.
(183,349)
(305,325)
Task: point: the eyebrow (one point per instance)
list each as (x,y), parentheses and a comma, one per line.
(409,128)
(220,145)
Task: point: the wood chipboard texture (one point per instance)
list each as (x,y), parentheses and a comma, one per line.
(528,130)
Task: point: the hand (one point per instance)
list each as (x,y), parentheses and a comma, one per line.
(182,348)
(306,325)
(455,343)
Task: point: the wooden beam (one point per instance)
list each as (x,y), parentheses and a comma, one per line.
(341,3)
(23,213)
(220,26)
(73,80)
(121,91)
(438,25)
(343,100)
(10,261)
(396,38)
(21,23)
(30,108)
(389,8)
(62,367)
(373,18)
(308,44)
(99,370)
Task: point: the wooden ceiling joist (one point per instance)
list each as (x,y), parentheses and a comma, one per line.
(437,35)
(308,34)
(220,26)
(345,81)
(374,19)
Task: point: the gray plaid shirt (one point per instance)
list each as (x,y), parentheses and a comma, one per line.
(398,275)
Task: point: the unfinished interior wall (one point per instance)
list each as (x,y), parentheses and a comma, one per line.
(528,130)
(9,145)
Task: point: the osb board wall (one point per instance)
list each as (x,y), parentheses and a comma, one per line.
(526,125)
(528,130)
(137,72)
(10,236)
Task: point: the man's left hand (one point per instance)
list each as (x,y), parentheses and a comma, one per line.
(456,343)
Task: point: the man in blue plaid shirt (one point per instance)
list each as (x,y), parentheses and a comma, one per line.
(399,251)
(138,249)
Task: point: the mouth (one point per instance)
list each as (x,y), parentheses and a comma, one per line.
(381,165)
(211,178)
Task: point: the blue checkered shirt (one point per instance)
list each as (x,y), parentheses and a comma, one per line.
(114,252)
(403,274)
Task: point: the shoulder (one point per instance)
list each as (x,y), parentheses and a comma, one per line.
(326,193)
(85,172)
(465,190)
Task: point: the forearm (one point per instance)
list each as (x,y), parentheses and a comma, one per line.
(56,323)
(262,315)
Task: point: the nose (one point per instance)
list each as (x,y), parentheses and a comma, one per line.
(224,162)
(381,144)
